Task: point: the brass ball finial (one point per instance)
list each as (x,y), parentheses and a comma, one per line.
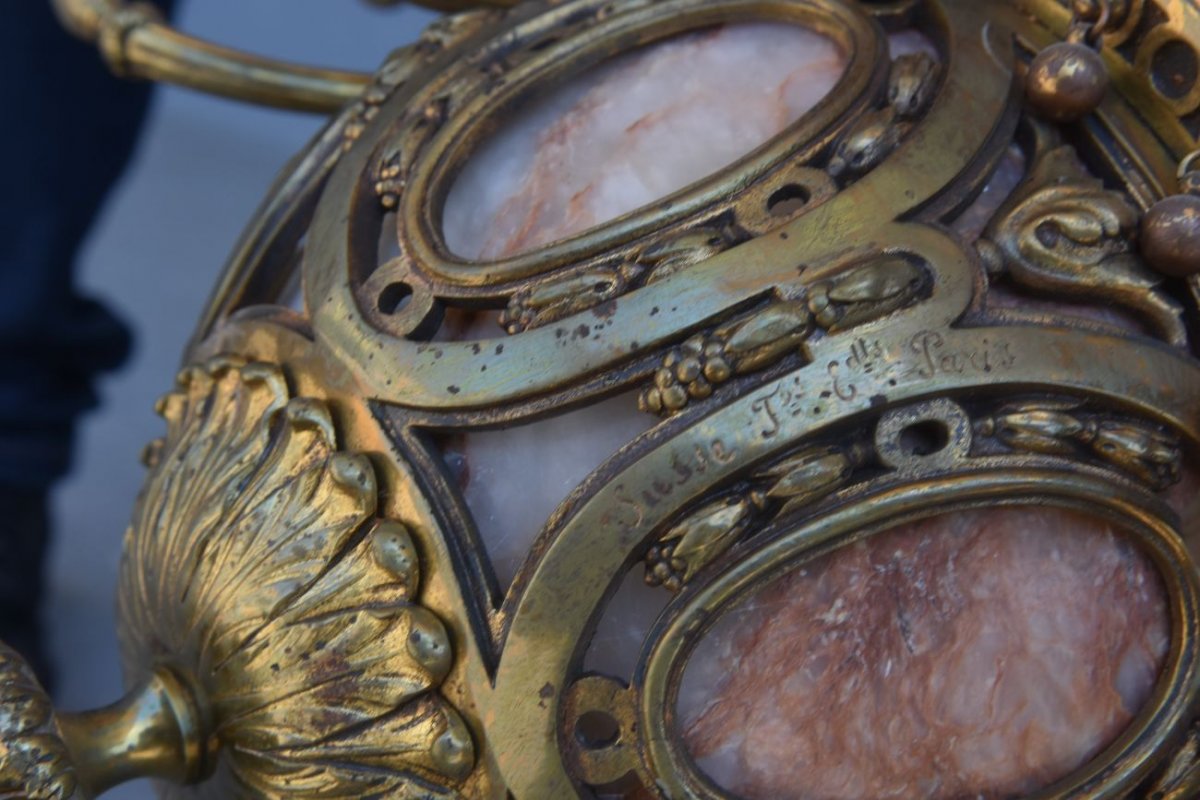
(1068,80)
(1170,231)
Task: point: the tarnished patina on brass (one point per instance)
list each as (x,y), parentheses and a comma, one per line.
(1170,232)
(1065,236)
(305,591)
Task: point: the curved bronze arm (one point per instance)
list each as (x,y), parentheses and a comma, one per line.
(136,42)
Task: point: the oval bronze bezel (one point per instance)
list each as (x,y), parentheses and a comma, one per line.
(480,107)
(1112,773)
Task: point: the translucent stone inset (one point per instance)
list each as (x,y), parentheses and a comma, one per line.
(513,479)
(981,654)
(636,129)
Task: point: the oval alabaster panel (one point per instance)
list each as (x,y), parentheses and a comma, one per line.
(812,423)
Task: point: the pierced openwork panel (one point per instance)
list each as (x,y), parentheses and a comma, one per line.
(525,498)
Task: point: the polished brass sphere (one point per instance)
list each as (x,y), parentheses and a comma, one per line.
(1066,81)
(1170,236)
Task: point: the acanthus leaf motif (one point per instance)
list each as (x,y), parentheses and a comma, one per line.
(257,567)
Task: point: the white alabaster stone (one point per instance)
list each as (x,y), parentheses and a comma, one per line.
(513,479)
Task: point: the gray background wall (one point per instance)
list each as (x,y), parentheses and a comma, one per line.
(202,167)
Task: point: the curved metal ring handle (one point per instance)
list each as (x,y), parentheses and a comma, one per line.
(136,42)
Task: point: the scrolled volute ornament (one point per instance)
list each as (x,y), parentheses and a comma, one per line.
(1063,234)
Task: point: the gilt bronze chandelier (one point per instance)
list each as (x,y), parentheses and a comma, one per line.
(681,399)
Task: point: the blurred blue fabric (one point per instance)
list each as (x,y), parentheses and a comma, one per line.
(70,128)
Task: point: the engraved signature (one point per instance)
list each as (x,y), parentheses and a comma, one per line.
(934,358)
(867,357)
(632,504)
(783,399)
(871,363)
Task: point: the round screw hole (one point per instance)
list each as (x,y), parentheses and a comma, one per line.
(394,297)
(596,730)
(924,438)
(787,200)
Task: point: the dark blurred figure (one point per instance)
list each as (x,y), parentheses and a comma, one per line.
(69,130)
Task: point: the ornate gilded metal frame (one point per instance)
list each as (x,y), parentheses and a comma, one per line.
(307,607)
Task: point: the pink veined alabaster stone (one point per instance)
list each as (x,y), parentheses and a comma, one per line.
(637,129)
(983,654)
(976,656)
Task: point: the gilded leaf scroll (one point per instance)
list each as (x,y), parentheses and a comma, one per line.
(34,762)
(256,567)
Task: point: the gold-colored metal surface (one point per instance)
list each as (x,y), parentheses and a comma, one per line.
(34,760)
(158,730)
(136,42)
(304,586)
